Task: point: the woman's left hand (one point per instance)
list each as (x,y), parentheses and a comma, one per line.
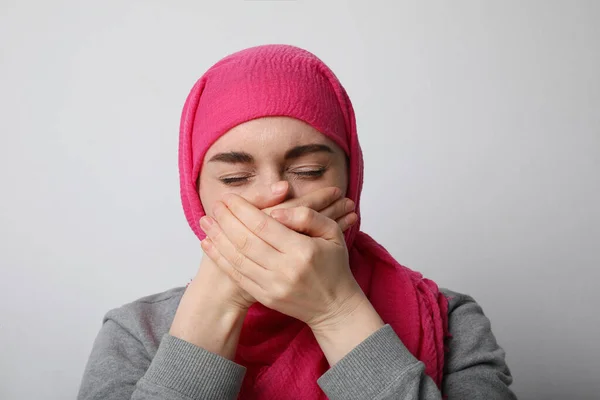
(294,261)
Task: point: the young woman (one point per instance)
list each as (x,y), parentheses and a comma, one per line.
(292,300)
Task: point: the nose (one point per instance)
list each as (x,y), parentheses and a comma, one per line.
(263,196)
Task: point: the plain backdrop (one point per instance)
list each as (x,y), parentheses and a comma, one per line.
(479,120)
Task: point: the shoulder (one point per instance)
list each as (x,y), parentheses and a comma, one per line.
(472,343)
(456,299)
(465,315)
(466,318)
(147,318)
(463,310)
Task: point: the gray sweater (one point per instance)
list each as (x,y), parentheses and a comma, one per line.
(135,358)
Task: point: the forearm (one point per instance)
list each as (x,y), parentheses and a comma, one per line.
(195,358)
(368,360)
(124,365)
(379,367)
(183,371)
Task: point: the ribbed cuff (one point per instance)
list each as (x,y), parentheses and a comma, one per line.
(194,371)
(369,368)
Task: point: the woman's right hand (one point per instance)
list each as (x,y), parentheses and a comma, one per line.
(326,201)
(212,309)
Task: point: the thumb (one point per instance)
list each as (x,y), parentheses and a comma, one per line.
(310,222)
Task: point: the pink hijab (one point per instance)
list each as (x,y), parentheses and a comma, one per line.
(279,351)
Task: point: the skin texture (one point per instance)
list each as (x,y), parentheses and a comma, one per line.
(266,242)
(267,140)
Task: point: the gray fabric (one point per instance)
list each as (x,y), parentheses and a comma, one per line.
(134,357)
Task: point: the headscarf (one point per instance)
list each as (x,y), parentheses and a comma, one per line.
(279,351)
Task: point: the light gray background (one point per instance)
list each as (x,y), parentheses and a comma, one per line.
(480,123)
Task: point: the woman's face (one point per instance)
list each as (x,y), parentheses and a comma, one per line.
(252,156)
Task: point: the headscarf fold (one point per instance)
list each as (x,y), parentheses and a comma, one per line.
(281,354)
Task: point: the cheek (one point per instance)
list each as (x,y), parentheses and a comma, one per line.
(210,192)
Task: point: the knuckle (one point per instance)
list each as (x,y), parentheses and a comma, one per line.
(340,207)
(243,244)
(238,260)
(295,277)
(215,256)
(236,276)
(217,236)
(269,301)
(304,214)
(332,224)
(335,211)
(333,193)
(261,226)
(303,258)
(306,256)
(279,292)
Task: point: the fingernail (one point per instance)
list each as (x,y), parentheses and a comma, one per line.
(350,205)
(278,187)
(205,223)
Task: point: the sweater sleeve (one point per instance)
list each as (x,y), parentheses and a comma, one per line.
(381,367)
(120,368)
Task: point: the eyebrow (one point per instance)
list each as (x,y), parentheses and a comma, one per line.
(233,157)
(300,151)
(240,157)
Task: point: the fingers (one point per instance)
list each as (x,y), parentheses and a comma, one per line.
(278,193)
(310,222)
(338,209)
(233,249)
(253,233)
(234,241)
(317,200)
(347,221)
(241,278)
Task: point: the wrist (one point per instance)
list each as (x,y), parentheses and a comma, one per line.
(208,319)
(349,300)
(339,335)
(355,307)
(213,285)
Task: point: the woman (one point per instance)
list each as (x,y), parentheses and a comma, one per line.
(285,305)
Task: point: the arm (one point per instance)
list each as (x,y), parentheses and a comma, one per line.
(271,261)
(381,367)
(193,360)
(120,368)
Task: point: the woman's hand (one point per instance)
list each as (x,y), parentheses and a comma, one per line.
(295,261)
(327,201)
(306,276)
(213,307)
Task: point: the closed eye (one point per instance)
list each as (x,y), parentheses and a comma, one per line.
(299,174)
(313,173)
(235,180)
(309,173)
